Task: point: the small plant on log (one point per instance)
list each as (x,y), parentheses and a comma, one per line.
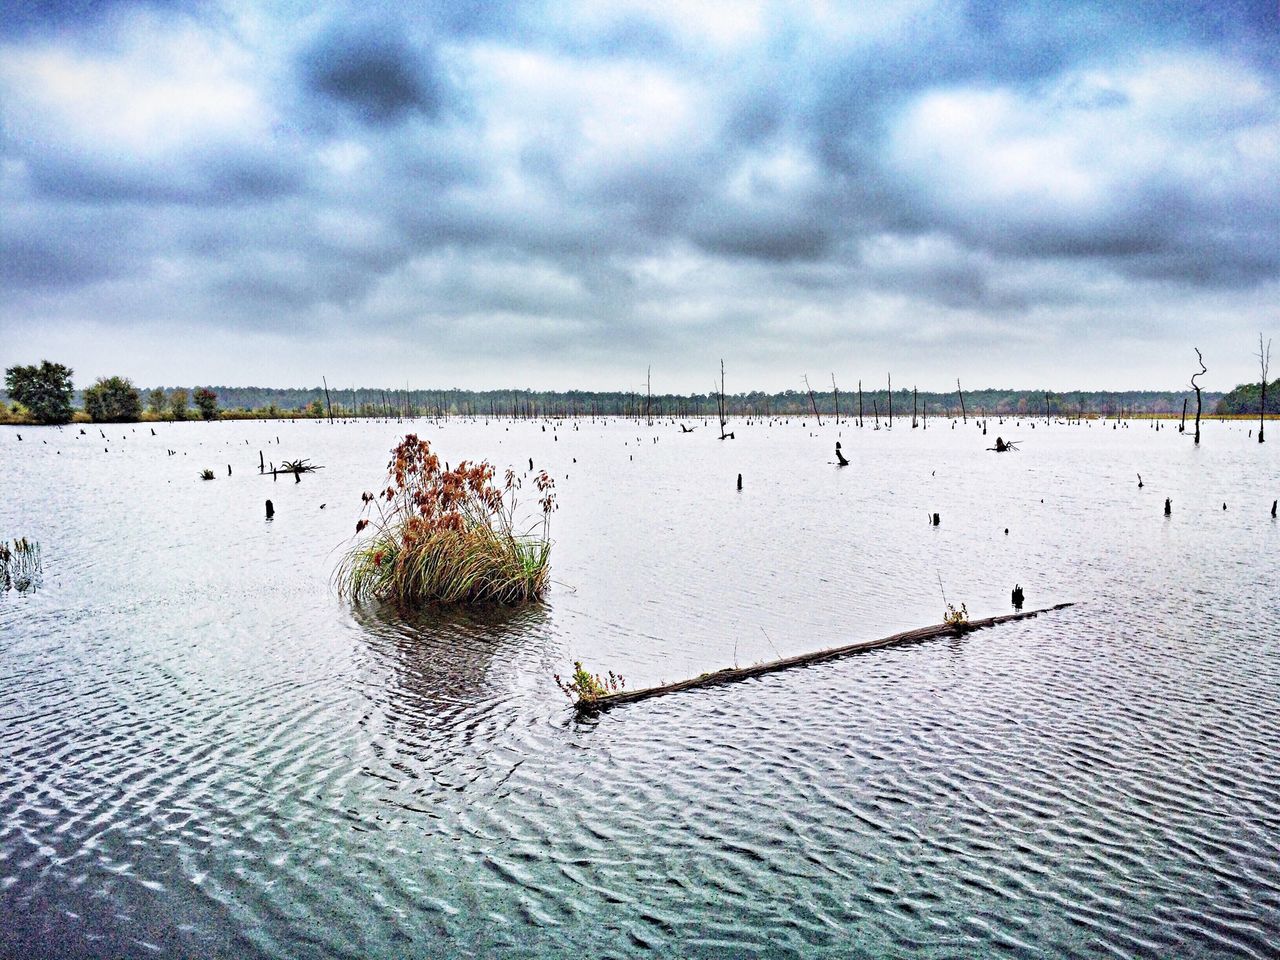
(584,687)
(447,536)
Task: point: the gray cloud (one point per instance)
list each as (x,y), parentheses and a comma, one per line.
(373,73)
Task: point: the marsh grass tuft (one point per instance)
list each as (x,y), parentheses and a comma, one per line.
(447,536)
(20,566)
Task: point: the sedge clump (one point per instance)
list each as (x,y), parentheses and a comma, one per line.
(448,536)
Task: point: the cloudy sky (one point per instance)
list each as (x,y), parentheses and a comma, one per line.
(561,194)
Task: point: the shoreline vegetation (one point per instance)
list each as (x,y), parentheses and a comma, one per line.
(45,394)
(695,407)
(445,536)
(19,418)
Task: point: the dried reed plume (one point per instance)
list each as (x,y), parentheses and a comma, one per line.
(447,536)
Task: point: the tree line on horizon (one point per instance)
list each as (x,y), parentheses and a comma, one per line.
(45,393)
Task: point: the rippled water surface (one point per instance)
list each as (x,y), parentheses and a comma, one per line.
(203,752)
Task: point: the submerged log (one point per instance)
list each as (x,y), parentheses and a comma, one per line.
(734,674)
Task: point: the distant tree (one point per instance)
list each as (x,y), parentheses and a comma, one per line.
(316,408)
(207,402)
(44,390)
(178,404)
(113,400)
(156,401)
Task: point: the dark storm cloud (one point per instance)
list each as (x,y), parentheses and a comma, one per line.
(639,175)
(378,76)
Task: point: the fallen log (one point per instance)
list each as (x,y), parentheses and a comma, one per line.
(735,674)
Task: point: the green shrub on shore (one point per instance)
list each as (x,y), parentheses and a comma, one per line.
(207,403)
(113,400)
(45,391)
(447,536)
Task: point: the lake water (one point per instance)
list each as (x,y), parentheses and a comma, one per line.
(204,752)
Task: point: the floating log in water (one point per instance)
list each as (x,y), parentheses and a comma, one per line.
(734,674)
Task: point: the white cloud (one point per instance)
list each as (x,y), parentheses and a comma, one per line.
(1085,148)
(157,89)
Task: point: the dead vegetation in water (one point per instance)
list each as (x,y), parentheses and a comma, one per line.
(20,566)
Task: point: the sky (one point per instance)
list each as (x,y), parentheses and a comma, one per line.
(563,195)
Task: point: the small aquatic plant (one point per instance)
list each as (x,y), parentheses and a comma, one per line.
(298,466)
(584,687)
(956,617)
(19,565)
(206,474)
(440,535)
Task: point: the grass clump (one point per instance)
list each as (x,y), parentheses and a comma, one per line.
(957,617)
(447,536)
(584,687)
(19,565)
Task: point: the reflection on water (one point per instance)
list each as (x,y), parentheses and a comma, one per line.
(204,752)
(438,660)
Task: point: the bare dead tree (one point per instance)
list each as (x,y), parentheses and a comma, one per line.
(1264,364)
(891,399)
(836,391)
(859,403)
(964,413)
(1196,387)
(724,406)
(648,396)
(813,402)
(915,400)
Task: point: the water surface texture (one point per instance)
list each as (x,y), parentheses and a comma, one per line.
(204,752)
